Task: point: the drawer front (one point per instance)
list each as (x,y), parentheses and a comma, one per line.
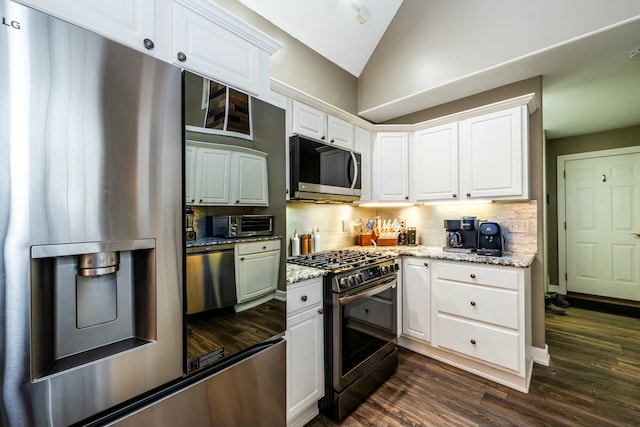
(304,297)
(478,274)
(492,305)
(255,247)
(482,342)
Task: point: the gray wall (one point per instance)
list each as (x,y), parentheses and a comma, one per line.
(533,85)
(439,43)
(298,66)
(626,137)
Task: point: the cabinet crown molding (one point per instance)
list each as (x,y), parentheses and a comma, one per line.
(232,23)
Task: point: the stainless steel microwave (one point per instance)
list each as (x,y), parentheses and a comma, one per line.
(321,171)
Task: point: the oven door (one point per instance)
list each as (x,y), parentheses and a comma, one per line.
(364,330)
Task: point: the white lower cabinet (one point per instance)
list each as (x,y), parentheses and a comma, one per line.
(305,351)
(257,266)
(480,318)
(416,298)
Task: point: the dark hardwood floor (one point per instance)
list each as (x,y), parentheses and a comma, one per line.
(593,380)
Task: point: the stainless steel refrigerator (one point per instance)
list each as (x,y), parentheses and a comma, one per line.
(91,236)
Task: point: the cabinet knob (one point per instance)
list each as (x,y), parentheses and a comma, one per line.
(332,140)
(473,342)
(426,264)
(468,194)
(193,200)
(406,197)
(200,200)
(320,311)
(237,201)
(148,44)
(303,297)
(264,248)
(242,259)
(473,303)
(322,137)
(473,276)
(455,195)
(182,57)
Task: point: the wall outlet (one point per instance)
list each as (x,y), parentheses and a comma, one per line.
(518,226)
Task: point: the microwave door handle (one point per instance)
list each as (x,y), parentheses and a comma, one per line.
(354,162)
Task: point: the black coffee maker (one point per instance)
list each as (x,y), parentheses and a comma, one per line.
(490,239)
(461,235)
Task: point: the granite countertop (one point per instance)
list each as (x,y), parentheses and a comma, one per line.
(212,241)
(508,259)
(298,273)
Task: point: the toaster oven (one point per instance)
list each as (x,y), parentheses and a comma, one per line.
(241,225)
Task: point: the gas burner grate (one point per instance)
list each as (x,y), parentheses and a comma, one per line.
(338,260)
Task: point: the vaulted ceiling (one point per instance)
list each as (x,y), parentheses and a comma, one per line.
(590,83)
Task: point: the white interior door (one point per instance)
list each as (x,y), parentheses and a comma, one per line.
(602,204)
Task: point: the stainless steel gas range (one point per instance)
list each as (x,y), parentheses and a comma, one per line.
(360,300)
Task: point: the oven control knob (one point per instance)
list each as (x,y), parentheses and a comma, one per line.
(384,269)
(396,267)
(343,282)
(359,278)
(352,280)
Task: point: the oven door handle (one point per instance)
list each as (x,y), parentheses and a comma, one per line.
(369,292)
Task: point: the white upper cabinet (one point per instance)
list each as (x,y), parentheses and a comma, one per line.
(363,146)
(202,46)
(250,176)
(309,121)
(340,132)
(218,175)
(130,22)
(435,163)
(317,124)
(189,174)
(391,160)
(494,161)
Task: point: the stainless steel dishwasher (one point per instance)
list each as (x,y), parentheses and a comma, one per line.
(211,278)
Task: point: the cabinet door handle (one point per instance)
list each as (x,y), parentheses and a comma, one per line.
(264,247)
(473,342)
(242,259)
(237,201)
(406,197)
(473,276)
(193,200)
(322,137)
(200,200)
(182,57)
(468,194)
(455,195)
(148,44)
(332,140)
(320,311)
(426,264)
(473,303)
(303,297)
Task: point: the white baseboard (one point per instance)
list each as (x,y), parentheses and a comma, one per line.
(280,295)
(541,355)
(553,288)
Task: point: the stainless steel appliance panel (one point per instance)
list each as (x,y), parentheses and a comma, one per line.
(90,154)
(251,393)
(211,280)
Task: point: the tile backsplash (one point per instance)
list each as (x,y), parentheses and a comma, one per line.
(340,224)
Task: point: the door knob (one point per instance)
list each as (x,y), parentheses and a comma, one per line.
(637,233)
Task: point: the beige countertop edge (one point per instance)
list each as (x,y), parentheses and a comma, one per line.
(297,273)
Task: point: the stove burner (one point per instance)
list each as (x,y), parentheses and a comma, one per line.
(339,261)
